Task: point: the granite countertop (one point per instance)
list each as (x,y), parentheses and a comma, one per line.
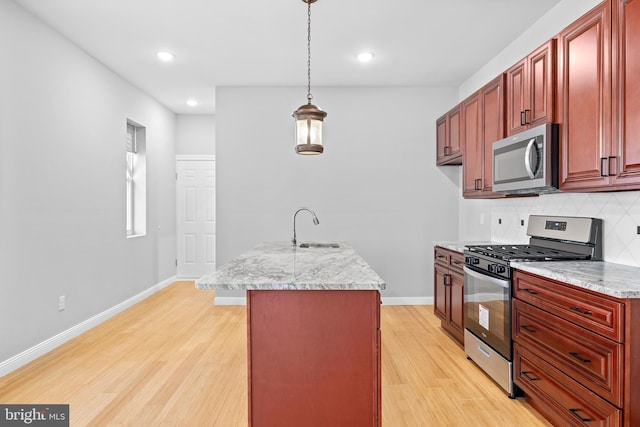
(616,280)
(281,266)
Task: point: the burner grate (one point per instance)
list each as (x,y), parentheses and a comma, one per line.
(525,253)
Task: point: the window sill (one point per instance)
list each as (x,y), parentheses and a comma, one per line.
(133,236)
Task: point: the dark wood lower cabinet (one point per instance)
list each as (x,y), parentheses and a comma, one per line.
(557,397)
(314,358)
(449,291)
(576,352)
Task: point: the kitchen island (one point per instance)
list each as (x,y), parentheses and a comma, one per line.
(313,330)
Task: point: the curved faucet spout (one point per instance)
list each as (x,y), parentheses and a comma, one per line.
(315,221)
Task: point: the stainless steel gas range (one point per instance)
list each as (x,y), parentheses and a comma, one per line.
(487,285)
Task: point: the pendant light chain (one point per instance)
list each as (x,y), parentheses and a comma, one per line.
(309,96)
(309,117)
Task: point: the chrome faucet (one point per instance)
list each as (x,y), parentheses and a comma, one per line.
(315,221)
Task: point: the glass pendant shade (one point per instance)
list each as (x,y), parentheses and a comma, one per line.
(309,129)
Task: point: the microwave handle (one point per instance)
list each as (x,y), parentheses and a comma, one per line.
(527,159)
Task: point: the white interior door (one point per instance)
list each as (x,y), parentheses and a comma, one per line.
(196,216)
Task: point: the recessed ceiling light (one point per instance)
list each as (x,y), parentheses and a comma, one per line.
(165,56)
(192,103)
(365,56)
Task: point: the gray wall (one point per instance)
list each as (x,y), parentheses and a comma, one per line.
(545,28)
(375,186)
(62,185)
(195,134)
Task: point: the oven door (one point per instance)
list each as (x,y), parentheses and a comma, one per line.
(487,309)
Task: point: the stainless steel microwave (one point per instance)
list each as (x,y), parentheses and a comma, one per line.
(527,163)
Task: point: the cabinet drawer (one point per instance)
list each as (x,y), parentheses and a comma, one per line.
(441,256)
(560,399)
(591,359)
(588,309)
(456,261)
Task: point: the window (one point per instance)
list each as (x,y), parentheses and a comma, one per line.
(136,179)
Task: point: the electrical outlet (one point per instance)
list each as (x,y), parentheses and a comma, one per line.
(638,230)
(499,220)
(61,303)
(522,222)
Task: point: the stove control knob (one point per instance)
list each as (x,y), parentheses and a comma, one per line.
(470,260)
(496,268)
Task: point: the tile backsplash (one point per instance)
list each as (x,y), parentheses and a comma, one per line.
(619,211)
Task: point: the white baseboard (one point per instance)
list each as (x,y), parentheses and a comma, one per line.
(385,301)
(407,300)
(186,278)
(46,346)
(230,300)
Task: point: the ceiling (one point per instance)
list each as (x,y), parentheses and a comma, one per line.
(264,42)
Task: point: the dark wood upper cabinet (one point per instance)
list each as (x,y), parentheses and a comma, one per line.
(483,124)
(448,138)
(492,122)
(624,160)
(587,80)
(530,89)
(472,149)
(584,100)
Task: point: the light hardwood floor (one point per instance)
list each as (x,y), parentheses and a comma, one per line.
(175,359)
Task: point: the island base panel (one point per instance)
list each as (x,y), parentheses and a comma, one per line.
(314,358)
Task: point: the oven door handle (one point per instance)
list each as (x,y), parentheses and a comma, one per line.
(503,283)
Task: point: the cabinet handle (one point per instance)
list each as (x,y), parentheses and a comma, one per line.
(580,310)
(602,160)
(530,291)
(574,412)
(457,262)
(523,120)
(528,329)
(528,376)
(447,280)
(447,150)
(478,184)
(441,256)
(577,356)
(615,173)
(526,112)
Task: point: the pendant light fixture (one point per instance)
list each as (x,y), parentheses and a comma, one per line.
(309,117)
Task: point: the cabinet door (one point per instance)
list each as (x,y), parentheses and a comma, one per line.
(492,122)
(541,77)
(454,133)
(530,89)
(441,138)
(584,88)
(517,97)
(624,162)
(448,138)
(440,280)
(456,307)
(472,165)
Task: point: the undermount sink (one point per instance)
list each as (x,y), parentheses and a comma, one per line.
(319,245)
